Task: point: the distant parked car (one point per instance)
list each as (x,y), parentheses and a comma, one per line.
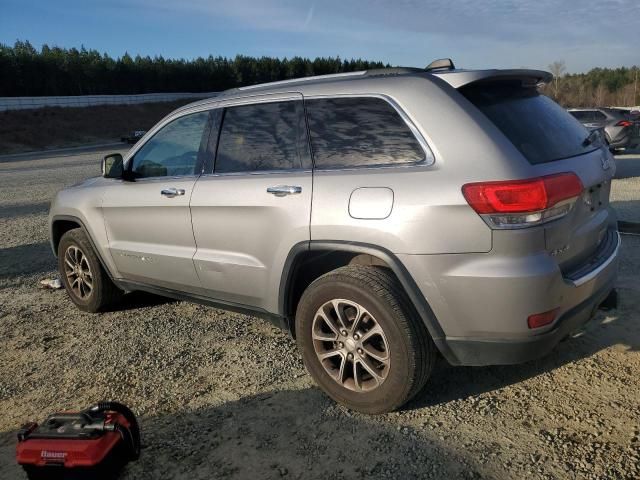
(634,112)
(621,127)
(133,137)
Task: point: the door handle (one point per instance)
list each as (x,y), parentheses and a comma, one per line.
(282,190)
(171,192)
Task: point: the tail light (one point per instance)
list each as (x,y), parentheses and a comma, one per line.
(524,203)
(624,123)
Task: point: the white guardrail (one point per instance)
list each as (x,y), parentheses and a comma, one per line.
(22,103)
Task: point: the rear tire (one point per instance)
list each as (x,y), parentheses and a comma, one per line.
(361,339)
(82,275)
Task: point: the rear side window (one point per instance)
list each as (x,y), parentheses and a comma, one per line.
(263,136)
(357,132)
(536,125)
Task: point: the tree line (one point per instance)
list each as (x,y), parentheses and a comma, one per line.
(26,71)
(600,87)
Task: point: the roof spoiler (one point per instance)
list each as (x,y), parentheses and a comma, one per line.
(462,78)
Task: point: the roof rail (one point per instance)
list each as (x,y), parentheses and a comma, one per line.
(304,79)
(442,64)
(392,71)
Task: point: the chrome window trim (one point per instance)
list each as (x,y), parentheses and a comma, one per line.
(429,157)
(221,103)
(290,171)
(168,178)
(428,161)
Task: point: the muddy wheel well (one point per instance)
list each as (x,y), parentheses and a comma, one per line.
(59,228)
(311,265)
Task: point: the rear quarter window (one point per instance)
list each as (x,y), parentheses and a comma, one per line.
(537,126)
(358,132)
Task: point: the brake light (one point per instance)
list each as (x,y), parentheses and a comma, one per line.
(521,203)
(624,123)
(541,319)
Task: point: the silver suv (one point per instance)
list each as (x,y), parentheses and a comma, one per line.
(380,216)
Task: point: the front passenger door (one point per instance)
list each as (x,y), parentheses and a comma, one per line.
(148,221)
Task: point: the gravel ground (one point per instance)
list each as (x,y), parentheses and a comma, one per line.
(625,193)
(222,395)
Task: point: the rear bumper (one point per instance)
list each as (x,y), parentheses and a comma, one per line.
(625,141)
(508,352)
(482,301)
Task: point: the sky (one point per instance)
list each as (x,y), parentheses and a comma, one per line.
(474,33)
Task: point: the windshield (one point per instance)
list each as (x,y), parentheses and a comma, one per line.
(536,125)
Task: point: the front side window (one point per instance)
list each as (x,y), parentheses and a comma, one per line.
(356,132)
(261,137)
(173,150)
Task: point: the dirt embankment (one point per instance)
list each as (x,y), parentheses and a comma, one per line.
(56,127)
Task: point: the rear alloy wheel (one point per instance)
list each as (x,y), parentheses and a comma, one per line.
(351,345)
(86,282)
(362,341)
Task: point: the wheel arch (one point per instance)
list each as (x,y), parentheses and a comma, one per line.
(61,224)
(322,256)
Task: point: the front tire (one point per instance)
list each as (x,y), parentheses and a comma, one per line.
(83,277)
(362,341)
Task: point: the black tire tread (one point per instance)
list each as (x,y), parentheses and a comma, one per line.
(426,351)
(107,294)
(381,282)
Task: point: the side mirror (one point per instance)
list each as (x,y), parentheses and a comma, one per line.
(113,166)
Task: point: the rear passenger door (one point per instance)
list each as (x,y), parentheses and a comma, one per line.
(255,204)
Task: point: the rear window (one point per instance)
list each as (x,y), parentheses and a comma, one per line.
(581,115)
(536,125)
(599,116)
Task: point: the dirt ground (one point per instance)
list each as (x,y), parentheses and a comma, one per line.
(57,127)
(222,395)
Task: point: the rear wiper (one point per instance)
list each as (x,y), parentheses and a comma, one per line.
(591,138)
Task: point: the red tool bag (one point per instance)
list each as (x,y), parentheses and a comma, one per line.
(92,444)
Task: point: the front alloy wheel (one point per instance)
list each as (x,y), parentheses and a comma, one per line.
(78,272)
(82,275)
